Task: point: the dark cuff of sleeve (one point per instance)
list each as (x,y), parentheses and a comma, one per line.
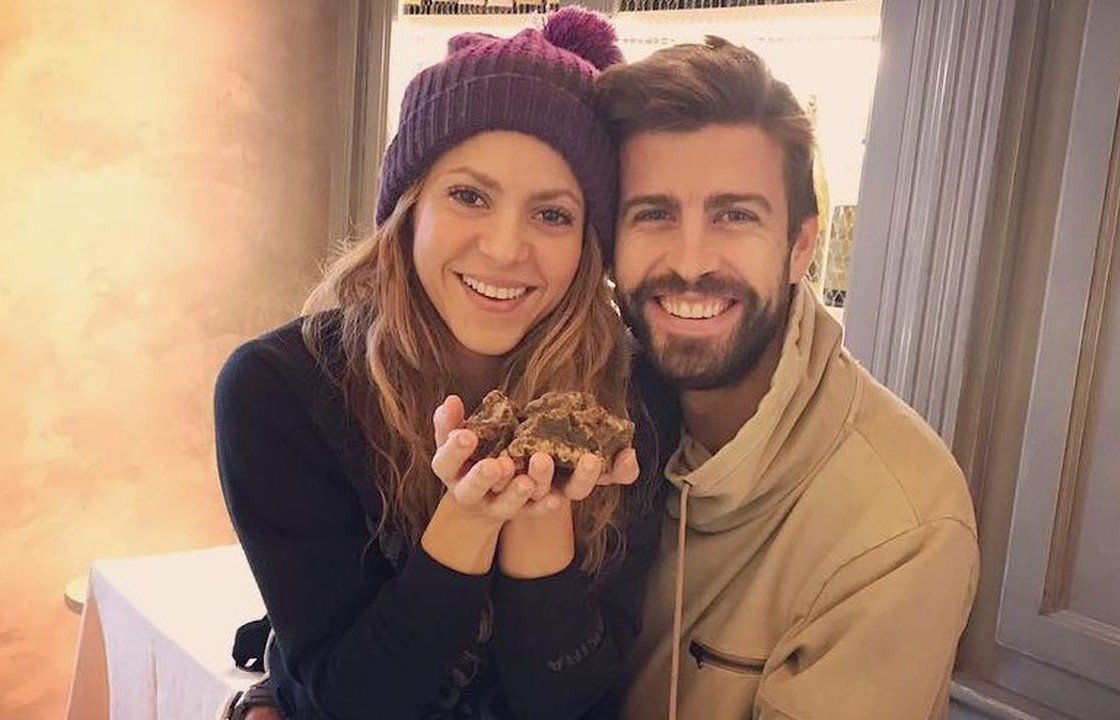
(550,646)
(427,586)
(534,592)
(555,611)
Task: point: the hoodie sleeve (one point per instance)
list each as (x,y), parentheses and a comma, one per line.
(880,637)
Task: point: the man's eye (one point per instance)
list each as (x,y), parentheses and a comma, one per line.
(651,215)
(555,216)
(468,196)
(739,216)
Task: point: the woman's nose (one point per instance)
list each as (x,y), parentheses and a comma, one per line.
(503,242)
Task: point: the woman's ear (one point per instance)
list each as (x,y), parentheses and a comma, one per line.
(803,249)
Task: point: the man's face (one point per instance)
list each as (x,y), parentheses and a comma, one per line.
(703,260)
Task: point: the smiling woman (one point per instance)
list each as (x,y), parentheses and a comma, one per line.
(400,579)
(497,237)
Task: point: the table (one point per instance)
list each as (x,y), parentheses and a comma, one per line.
(156,636)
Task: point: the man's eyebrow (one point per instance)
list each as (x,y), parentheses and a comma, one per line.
(725,199)
(656,199)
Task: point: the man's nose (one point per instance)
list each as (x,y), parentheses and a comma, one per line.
(691,256)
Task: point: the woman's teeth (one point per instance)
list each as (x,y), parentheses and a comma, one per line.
(492,291)
(694,310)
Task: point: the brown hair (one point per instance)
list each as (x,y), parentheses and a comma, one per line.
(396,369)
(685,87)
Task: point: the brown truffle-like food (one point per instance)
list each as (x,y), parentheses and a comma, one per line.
(567,425)
(494,422)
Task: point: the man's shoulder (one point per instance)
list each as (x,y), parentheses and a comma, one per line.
(904,453)
(889,475)
(890,489)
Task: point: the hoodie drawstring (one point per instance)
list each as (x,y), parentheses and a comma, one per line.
(678,602)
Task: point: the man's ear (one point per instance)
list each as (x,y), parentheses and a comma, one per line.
(803,249)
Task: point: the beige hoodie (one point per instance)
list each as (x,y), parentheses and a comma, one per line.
(830,554)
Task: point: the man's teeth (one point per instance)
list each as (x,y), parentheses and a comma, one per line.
(492,291)
(694,310)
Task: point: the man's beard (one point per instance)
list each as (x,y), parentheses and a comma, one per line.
(703,364)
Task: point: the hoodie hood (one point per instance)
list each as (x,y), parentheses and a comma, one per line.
(759,474)
(795,428)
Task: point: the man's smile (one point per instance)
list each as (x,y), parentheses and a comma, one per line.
(692,313)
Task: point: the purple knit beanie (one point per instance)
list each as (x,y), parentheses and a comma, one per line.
(537,82)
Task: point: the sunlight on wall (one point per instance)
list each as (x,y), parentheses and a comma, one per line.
(163,196)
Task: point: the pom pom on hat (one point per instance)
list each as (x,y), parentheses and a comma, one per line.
(468,39)
(584,33)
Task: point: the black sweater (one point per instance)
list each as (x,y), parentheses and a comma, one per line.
(376,628)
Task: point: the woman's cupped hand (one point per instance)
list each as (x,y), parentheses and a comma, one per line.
(493,486)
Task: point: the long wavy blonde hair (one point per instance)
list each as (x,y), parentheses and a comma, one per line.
(398,367)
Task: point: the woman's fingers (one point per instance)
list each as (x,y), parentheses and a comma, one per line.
(496,475)
(540,472)
(453,445)
(624,470)
(448,416)
(509,469)
(513,498)
(584,477)
(478,481)
(449,458)
(540,508)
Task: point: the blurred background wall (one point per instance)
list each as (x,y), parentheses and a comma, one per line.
(164,172)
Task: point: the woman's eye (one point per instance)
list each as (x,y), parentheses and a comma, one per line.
(555,216)
(468,196)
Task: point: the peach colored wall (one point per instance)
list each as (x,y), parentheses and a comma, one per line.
(164,170)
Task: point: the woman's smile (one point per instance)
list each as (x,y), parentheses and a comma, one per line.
(495,297)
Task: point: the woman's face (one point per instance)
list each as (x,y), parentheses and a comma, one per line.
(497,236)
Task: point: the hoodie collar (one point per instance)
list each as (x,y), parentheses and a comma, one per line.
(795,427)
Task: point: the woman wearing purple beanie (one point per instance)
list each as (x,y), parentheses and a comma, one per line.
(401,580)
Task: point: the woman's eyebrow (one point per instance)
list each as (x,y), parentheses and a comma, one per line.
(554,194)
(493,185)
(479,177)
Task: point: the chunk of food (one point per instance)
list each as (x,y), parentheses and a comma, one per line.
(494,422)
(566,425)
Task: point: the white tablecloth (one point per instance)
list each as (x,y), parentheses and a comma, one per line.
(167,623)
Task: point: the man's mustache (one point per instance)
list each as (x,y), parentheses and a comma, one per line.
(674,284)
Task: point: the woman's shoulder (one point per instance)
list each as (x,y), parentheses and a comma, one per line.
(281,359)
(275,378)
(274,386)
